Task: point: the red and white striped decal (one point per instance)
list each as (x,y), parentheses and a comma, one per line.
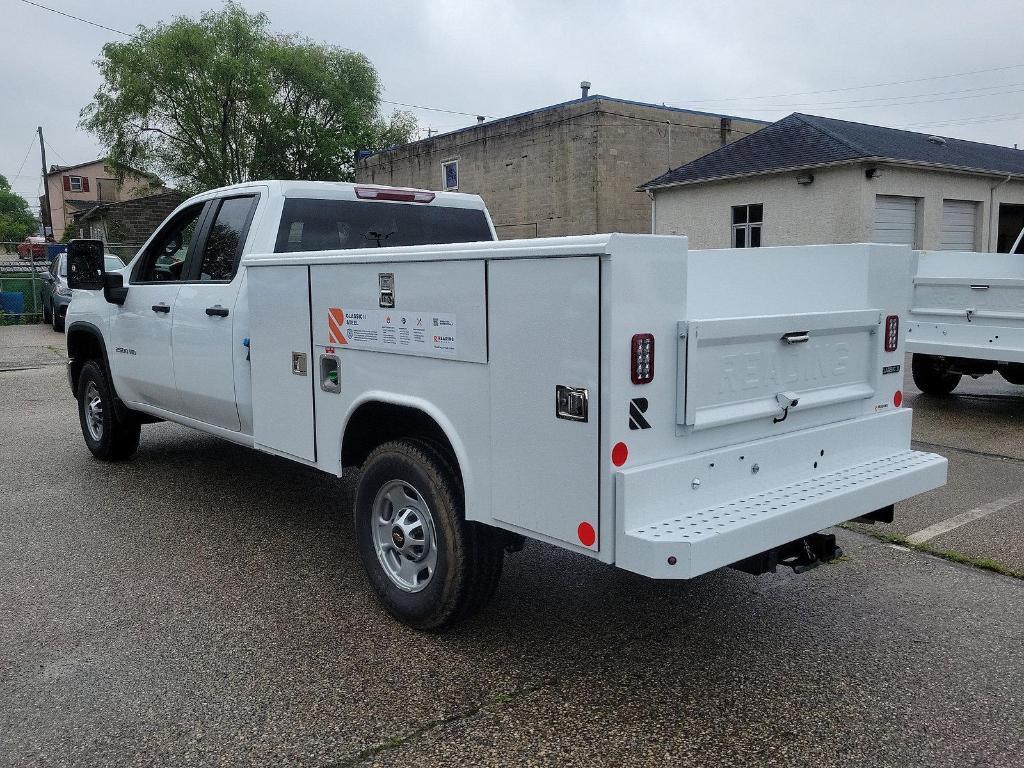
(335,324)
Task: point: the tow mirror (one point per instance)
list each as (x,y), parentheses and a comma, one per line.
(85,264)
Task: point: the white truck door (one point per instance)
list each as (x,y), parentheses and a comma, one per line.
(544,334)
(140,329)
(202,338)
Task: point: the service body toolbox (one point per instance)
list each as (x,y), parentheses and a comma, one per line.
(966,318)
(667,411)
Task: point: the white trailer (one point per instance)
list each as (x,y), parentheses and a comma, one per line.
(665,411)
(966,318)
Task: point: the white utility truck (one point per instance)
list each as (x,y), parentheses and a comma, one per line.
(966,318)
(665,411)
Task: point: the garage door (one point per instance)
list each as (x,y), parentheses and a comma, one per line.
(959,220)
(895,220)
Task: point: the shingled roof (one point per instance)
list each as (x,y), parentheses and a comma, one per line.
(806,141)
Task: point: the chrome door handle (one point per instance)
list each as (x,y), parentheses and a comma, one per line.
(161,308)
(795,337)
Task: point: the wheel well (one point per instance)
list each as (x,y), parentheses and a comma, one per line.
(375,423)
(83,345)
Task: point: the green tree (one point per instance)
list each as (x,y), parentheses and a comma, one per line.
(16,219)
(221,100)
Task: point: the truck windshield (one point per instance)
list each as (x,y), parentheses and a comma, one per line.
(319,225)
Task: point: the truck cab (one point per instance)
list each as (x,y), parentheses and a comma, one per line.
(176,342)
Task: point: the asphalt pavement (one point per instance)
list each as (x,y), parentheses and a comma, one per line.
(204,605)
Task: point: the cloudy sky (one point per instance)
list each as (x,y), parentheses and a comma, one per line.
(952,68)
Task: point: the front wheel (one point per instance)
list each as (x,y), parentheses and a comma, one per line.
(932,375)
(427,564)
(56,319)
(107,437)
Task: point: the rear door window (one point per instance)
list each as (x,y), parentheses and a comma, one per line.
(225,239)
(317,225)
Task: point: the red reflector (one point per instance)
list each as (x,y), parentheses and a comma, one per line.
(892,332)
(641,367)
(619,454)
(586,534)
(897,399)
(399,195)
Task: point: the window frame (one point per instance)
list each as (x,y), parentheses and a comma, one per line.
(141,263)
(746,226)
(194,261)
(71,183)
(444,175)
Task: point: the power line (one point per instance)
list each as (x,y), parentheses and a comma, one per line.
(24,159)
(861,87)
(435,109)
(48,144)
(77,18)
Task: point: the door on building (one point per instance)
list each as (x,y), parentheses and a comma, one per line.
(959,225)
(202,333)
(1011,222)
(896,220)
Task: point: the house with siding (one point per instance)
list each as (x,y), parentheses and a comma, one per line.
(76,188)
(807,179)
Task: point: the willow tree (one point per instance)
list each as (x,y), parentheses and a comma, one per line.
(221,99)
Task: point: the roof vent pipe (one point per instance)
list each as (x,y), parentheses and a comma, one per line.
(585,88)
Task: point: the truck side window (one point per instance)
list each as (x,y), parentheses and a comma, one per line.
(165,257)
(226,238)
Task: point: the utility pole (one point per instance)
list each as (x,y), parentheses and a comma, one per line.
(48,219)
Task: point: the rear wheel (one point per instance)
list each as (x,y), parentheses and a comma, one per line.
(932,375)
(429,567)
(107,437)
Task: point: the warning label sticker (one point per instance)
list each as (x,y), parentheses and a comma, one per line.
(385,329)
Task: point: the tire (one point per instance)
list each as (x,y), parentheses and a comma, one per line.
(428,566)
(932,376)
(57,320)
(107,437)
(47,313)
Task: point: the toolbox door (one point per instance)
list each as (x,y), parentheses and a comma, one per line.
(281,355)
(544,332)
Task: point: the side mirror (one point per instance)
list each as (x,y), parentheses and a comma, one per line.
(114,289)
(85,264)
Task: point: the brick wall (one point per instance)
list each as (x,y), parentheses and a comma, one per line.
(129,222)
(568,169)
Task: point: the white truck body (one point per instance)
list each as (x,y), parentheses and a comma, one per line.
(665,410)
(968,305)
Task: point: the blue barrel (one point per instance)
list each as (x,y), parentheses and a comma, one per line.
(12,302)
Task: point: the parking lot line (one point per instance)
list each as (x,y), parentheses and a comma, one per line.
(970,515)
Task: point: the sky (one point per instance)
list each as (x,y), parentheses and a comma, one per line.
(949,68)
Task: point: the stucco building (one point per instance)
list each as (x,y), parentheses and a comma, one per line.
(76,188)
(568,169)
(808,179)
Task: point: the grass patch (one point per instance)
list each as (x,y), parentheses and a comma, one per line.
(985,563)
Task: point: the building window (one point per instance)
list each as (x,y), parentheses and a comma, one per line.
(746,225)
(76,184)
(450,175)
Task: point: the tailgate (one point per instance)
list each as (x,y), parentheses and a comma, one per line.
(744,369)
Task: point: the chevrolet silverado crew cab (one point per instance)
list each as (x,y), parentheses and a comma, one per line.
(666,411)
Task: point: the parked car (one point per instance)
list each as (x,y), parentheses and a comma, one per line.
(56,296)
(33,248)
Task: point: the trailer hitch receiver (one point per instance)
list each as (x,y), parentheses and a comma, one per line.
(801,555)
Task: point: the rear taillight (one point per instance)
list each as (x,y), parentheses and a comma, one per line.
(642,358)
(399,195)
(892,332)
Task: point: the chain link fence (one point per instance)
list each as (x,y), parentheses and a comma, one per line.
(23,293)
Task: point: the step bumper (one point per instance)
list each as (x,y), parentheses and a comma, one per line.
(696,541)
